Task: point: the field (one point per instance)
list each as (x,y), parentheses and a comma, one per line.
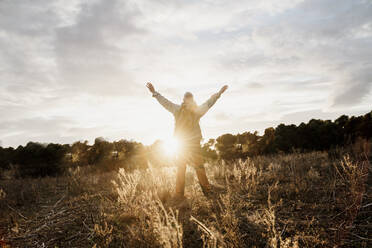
(316,199)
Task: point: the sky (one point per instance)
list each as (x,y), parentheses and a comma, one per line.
(76,70)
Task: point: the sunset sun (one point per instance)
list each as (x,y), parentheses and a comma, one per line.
(171,146)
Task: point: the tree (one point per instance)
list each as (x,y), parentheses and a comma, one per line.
(38,160)
(208,150)
(226,146)
(6,157)
(80,153)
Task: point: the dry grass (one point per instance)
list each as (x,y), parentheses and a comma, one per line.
(297,200)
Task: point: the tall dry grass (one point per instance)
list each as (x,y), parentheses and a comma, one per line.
(295,200)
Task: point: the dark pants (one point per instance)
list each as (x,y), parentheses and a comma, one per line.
(190,155)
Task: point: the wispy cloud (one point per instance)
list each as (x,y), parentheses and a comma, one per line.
(81,65)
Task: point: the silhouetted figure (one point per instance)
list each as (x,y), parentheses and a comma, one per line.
(187,131)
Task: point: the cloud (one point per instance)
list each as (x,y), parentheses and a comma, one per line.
(354,88)
(53,129)
(221,116)
(26,61)
(304,42)
(21,131)
(77,69)
(255,86)
(88,53)
(324,45)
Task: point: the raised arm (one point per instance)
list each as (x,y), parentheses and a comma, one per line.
(202,109)
(168,105)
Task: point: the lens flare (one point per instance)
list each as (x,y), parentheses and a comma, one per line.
(171,146)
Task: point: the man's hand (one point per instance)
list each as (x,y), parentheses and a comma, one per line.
(223,89)
(150,87)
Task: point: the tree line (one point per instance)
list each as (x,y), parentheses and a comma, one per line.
(316,135)
(36,159)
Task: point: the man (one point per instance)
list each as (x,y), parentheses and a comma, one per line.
(188,133)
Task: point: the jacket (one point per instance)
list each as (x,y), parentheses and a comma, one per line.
(187,125)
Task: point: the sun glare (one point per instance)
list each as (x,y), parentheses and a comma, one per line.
(171,146)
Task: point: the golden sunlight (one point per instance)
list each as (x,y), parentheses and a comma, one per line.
(171,146)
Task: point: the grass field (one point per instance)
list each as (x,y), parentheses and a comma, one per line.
(316,199)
